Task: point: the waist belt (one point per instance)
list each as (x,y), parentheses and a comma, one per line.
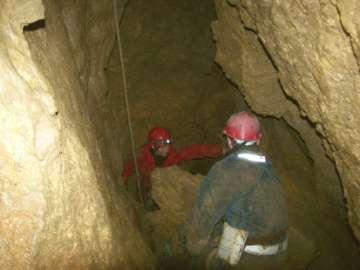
(266,249)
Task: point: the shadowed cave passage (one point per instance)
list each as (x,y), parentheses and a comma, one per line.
(189,66)
(35,25)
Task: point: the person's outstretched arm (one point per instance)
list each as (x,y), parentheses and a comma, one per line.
(197,151)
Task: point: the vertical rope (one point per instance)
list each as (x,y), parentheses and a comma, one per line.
(117,22)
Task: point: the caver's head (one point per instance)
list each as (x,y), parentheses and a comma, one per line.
(159,139)
(242,128)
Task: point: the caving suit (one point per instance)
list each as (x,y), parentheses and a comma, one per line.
(243,192)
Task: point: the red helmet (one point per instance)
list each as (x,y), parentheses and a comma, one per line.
(159,136)
(243,126)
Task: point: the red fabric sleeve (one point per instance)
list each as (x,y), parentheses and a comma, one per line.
(198,151)
(128,169)
(145,163)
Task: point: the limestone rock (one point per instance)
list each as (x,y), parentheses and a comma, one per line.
(174,190)
(309,53)
(60,207)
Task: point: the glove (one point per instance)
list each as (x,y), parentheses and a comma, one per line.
(150,204)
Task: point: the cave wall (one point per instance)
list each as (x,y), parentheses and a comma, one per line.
(304,57)
(62,133)
(60,206)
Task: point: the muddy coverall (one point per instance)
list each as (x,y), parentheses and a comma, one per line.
(246,194)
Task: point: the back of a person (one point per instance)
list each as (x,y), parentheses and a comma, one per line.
(243,194)
(268,222)
(259,203)
(268,214)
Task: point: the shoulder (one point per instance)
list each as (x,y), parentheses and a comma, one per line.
(244,164)
(246,155)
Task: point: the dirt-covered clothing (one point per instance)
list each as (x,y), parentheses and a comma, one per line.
(246,194)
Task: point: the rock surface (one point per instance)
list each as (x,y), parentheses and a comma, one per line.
(62,130)
(304,56)
(174,190)
(59,205)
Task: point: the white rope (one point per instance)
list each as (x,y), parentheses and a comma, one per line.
(117,22)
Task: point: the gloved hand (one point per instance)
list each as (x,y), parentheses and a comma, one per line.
(150,204)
